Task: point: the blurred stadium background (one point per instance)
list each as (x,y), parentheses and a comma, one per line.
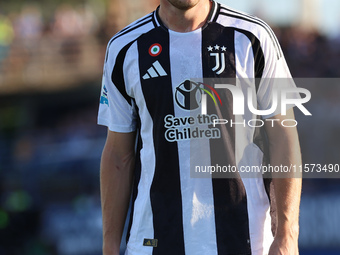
(51,55)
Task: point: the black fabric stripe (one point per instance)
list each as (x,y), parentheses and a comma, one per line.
(217,12)
(258,53)
(269,30)
(259,59)
(128,31)
(159,20)
(230,201)
(212,10)
(165,192)
(271,35)
(117,75)
(132,25)
(154,20)
(137,173)
(260,138)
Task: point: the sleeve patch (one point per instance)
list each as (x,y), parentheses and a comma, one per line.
(104,97)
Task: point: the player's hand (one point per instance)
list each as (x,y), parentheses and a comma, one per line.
(284,246)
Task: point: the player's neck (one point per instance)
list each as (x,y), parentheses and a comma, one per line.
(184,20)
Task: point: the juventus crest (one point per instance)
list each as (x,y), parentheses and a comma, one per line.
(219,57)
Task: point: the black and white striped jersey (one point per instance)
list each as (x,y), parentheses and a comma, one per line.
(149,85)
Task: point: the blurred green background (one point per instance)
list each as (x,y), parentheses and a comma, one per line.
(51,57)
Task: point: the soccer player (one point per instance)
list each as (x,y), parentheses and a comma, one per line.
(151,106)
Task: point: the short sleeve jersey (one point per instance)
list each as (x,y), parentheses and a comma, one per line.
(152,84)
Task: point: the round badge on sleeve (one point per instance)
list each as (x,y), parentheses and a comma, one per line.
(155,49)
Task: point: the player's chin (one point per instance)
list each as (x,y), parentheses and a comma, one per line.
(184,4)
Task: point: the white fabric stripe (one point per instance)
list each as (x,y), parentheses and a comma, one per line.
(255,19)
(257,29)
(215,5)
(142,224)
(133,25)
(248,154)
(197,194)
(119,41)
(259,23)
(155,18)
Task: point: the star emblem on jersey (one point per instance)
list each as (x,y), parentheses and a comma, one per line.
(154,71)
(217,51)
(155,49)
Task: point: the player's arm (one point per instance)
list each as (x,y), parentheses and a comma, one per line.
(116,172)
(285,149)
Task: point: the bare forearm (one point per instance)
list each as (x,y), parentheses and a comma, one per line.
(287,193)
(285,150)
(287,186)
(115,185)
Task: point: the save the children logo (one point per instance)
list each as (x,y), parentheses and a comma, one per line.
(189,94)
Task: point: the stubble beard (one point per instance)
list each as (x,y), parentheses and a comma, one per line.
(183,4)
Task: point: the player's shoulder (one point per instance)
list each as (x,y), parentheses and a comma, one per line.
(248,24)
(131,32)
(242,20)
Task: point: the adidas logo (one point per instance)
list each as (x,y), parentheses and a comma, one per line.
(154,71)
